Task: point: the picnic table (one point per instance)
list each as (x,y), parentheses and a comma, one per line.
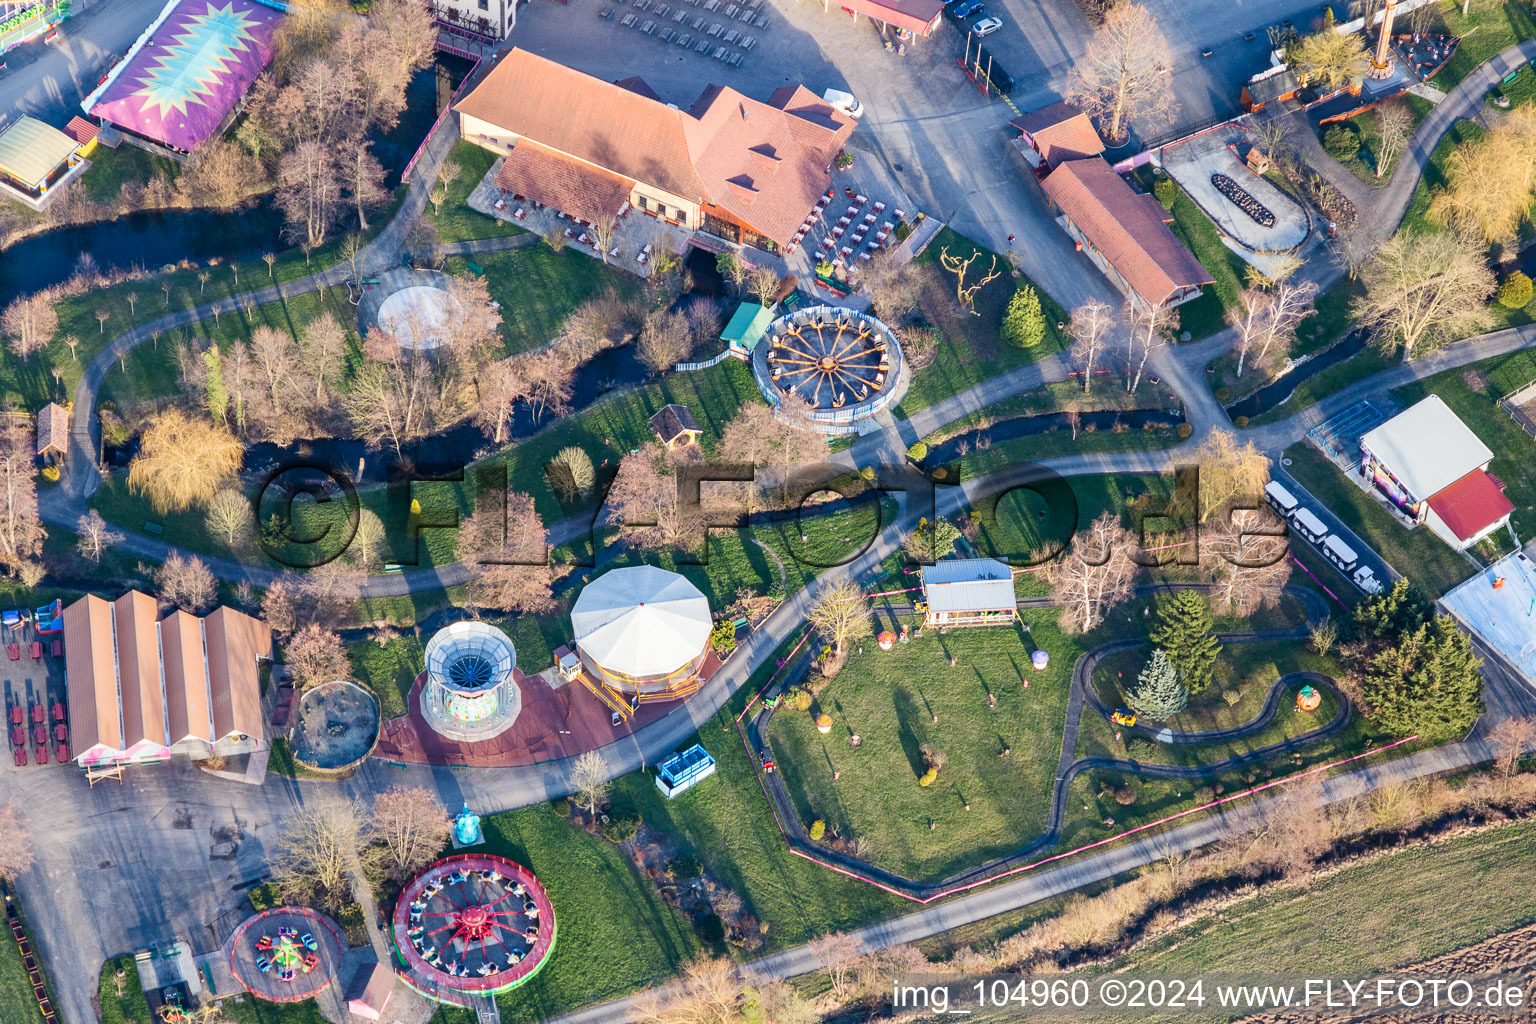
(42,754)
(61,732)
(58,711)
(38,714)
(20,757)
(36,650)
(40,736)
(62,754)
(19,736)
(17,715)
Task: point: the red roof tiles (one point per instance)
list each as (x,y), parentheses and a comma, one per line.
(1124,228)
(562,183)
(1471,505)
(1061,132)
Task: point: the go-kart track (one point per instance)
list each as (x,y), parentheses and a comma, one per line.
(472,925)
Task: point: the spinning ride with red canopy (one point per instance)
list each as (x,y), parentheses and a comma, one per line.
(473,924)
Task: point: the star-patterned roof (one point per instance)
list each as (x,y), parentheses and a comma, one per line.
(189,70)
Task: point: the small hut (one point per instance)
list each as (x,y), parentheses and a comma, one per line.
(968,592)
(369,991)
(675,427)
(746,329)
(52,434)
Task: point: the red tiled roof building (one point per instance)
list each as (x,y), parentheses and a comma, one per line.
(741,169)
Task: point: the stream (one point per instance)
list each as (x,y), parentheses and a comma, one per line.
(1279,390)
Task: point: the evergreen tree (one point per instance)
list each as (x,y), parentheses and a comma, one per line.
(1392,613)
(1157,694)
(1186,632)
(1430,683)
(218,394)
(1023,322)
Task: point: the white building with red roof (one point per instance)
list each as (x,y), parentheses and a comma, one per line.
(741,169)
(1434,470)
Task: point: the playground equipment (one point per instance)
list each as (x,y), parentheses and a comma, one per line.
(1123,716)
(886,640)
(466,828)
(1308,699)
(472,925)
(1039,659)
(845,365)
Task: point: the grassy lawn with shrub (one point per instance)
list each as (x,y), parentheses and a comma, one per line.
(454,218)
(537,288)
(1207,314)
(111,168)
(971,349)
(1370,141)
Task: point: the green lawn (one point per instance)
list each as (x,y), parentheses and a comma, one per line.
(111,168)
(970,350)
(16,1000)
(537,288)
(983,805)
(457,221)
(1488,30)
(1207,314)
(1385,913)
(1060,443)
(614,933)
(1522,90)
(1418,554)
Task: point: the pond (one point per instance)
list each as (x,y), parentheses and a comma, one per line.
(1279,391)
(153,239)
(1029,426)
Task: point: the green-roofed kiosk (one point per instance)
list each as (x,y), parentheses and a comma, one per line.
(746,329)
(33,156)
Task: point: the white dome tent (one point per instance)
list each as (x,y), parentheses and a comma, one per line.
(643,631)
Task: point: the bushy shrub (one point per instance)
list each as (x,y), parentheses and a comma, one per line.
(818,829)
(1341,141)
(1185,430)
(619,827)
(1166,191)
(918,452)
(903,230)
(685,866)
(1125,796)
(723,637)
(265,896)
(51,473)
(1240,422)
(927,777)
(561,807)
(1515,291)
(802,700)
(1222,394)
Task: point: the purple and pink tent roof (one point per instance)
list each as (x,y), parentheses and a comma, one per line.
(188,70)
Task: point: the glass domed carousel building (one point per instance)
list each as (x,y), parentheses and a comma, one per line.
(470,693)
(844,365)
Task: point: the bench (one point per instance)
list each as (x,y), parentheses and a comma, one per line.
(475,268)
(154,528)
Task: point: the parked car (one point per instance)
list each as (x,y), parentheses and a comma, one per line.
(847,102)
(966,8)
(986,26)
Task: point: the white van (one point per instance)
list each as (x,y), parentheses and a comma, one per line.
(1308,525)
(1340,554)
(847,102)
(1280,499)
(1366,580)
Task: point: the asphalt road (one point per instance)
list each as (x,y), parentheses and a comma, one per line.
(48,80)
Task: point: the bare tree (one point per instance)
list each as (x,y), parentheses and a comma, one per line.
(920,347)
(895,288)
(603,229)
(1126,73)
(309,191)
(1511,738)
(1271,133)
(499,388)
(1423,290)
(508,554)
(840,612)
(447,173)
(664,340)
(1394,127)
(16,854)
(367,547)
(589,779)
(21,528)
(316,656)
(646,505)
(1246,556)
(1095,574)
(837,954)
(965,294)
(1247,323)
(96,535)
(322,351)
(412,825)
(763,284)
(1092,325)
(29,323)
(547,377)
(365,181)
(220,176)
(318,850)
(185,582)
(1148,328)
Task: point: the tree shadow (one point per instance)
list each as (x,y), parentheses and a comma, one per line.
(909,729)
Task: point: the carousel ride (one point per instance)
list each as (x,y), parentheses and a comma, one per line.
(473,924)
(844,365)
(286,954)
